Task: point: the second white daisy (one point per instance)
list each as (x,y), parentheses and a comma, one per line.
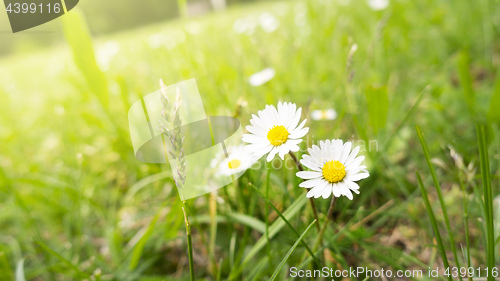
(335,169)
(236,163)
(275,131)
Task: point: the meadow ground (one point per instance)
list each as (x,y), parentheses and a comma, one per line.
(76,204)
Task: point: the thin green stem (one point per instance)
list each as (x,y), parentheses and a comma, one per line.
(213,231)
(488,200)
(465,202)
(183,11)
(319,240)
(439,193)
(311,200)
(435,227)
(268,246)
(287,223)
(189,240)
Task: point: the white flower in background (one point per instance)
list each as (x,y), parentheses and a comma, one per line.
(268,22)
(335,169)
(106,53)
(344,2)
(281,8)
(238,161)
(178,36)
(324,114)
(155,41)
(378,5)
(245,25)
(275,131)
(193,27)
(300,19)
(262,77)
(168,39)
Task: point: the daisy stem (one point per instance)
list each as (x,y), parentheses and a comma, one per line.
(189,240)
(311,200)
(319,240)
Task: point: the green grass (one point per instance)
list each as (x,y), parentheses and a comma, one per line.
(75,202)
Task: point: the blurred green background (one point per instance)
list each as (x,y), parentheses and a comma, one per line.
(75,204)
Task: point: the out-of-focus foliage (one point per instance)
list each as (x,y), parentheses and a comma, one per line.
(104,17)
(75,202)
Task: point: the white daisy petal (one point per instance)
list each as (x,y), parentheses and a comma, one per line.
(311,183)
(263,151)
(320,189)
(292,124)
(354,163)
(352,185)
(294,147)
(337,149)
(345,152)
(249,138)
(283,150)
(273,113)
(254,148)
(311,193)
(301,125)
(352,155)
(296,141)
(256,131)
(336,190)
(292,112)
(348,193)
(309,164)
(256,121)
(282,112)
(271,154)
(358,177)
(327,191)
(308,175)
(299,134)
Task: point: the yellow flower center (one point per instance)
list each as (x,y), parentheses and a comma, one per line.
(233,164)
(278,135)
(334,171)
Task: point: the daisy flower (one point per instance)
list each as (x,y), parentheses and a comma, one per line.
(237,162)
(378,5)
(275,131)
(324,114)
(335,169)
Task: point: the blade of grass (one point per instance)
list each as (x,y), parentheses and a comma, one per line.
(465,202)
(439,193)
(266,214)
(20,271)
(283,261)
(287,222)
(291,212)
(434,224)
(5,269)
(377,101)
(213,231)
(255,273)
(62,259)
(488,199)
(139,247)
(494,113)
(466,80)
(20,202)
(243,219)
(79,39)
